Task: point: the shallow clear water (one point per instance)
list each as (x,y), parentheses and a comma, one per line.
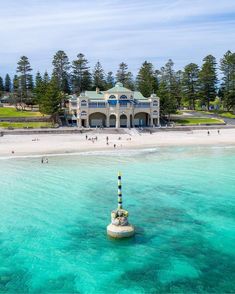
(182,201)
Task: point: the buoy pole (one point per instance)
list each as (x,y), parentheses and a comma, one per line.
(120,227)
(119,191)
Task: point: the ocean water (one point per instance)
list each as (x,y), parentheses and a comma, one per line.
(181,200)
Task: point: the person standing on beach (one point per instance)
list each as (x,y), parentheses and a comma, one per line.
(86,137)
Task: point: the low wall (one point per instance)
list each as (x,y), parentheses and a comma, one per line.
(106,130)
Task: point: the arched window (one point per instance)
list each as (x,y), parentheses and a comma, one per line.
(112,97)
(83,103)
(83,113)
(123,97)
(155,103)
(155,112)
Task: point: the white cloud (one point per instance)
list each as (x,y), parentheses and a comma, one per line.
(115,30)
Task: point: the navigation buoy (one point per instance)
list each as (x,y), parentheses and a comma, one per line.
(120,227)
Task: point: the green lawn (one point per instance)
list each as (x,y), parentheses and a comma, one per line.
(198,121)
(12,112)
(222,113)
(21,125)
(227,114)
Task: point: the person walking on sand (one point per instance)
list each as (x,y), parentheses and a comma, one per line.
(107,139)
(218,132)
(208,133)
(86,137)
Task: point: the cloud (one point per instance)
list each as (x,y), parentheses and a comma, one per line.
(115,30)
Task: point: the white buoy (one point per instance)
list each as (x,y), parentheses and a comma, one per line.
(120,227)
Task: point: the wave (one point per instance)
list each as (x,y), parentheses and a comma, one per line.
(116,152)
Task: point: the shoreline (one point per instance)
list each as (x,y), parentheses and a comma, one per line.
(39,145)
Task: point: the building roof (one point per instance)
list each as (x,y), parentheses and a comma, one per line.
(118,88)
(139,96)
(94,95)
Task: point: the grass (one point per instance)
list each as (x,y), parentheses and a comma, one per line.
(179,112)
(227,114)
(12,112)
(22,125)
(222,113)
(198,121)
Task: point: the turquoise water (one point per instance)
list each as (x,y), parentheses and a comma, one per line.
(181,200)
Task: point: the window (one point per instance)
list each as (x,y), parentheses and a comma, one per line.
(123,97)
(112,97)
(155,103)
(83,113)
(83,103)
(155,112)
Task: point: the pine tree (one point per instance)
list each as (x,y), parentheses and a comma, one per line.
(51,99)
(61,71)
(81,77)
(178,87)
(38,89)
(38,79)
(15,84)
(31,83)
(109,80)
(191,83)
(1,87)
(168,89)
(7,86)
(46,78)
(208,80)
(124,76)
(227,66)
(25,81)
(146,80)
(98,77)
(166,107)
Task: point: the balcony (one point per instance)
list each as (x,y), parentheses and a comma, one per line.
(97,105)
(142,105)
(123,105)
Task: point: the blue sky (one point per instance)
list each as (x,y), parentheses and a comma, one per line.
(115,30)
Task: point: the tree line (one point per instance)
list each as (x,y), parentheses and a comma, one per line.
(193,86)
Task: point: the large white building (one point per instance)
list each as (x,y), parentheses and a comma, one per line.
(116,107)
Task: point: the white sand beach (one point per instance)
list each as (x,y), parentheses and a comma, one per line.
(45,144)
